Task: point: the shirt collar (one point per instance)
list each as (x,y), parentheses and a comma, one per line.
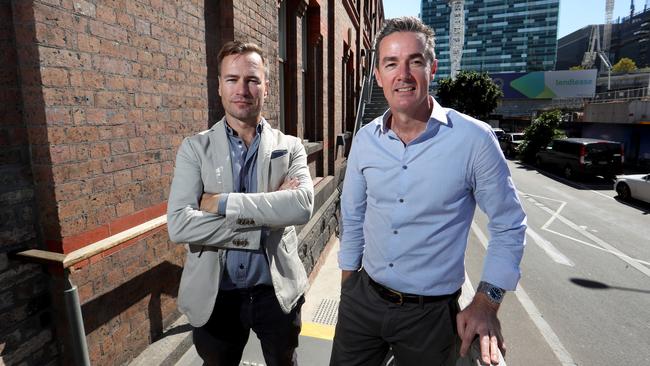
(438,114)
(259,128)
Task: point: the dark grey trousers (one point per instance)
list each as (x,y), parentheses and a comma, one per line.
(368,325)
(221,341)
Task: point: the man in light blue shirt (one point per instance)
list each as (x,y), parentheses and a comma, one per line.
(413,180)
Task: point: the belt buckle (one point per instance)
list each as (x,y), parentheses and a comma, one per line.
(399,295)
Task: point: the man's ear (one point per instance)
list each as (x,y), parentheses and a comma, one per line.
(267,85)
(434,67)
(219,85)
(376,72)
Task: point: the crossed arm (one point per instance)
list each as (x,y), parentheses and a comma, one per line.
(192,216)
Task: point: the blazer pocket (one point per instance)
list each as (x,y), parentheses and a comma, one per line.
(278,153)
(290,240)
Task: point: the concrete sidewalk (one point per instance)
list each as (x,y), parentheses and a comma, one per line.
(319,315)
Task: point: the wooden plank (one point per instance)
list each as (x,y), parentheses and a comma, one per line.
(117,239)
(42,255)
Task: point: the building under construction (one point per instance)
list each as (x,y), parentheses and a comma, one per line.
(508,36)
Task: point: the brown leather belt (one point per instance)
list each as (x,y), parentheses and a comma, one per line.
(399,298)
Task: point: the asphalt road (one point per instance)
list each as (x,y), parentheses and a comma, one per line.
(584,296)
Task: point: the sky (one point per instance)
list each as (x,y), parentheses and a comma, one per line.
(574,14)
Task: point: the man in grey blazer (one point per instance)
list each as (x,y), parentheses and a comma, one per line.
(237,191)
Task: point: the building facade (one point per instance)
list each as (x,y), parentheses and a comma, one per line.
(96,97)
(630,38)
(500,36)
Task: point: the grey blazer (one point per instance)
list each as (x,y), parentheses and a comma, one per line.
(203,165)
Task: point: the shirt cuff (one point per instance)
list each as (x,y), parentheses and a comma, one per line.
(221,205)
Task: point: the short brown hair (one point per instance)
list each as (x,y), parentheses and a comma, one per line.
(407,24)
(240,48)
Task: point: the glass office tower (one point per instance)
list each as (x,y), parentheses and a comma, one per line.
(500,35)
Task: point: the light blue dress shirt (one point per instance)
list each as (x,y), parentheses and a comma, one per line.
(244,268)
(407,210)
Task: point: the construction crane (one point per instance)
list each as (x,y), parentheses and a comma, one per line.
(456,35)
(594,50)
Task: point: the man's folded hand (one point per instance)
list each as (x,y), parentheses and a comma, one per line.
(209,203)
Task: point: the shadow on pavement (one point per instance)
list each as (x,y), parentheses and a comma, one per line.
(596,285)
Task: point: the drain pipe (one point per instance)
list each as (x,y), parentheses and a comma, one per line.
(75,322)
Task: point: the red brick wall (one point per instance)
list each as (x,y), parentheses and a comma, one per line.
(110,91)
(25,317)
(122,83)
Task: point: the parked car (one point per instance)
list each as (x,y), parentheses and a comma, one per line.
(509,143)
(577,157)
(633,186)
(499,132)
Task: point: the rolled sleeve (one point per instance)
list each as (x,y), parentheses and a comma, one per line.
(223,202)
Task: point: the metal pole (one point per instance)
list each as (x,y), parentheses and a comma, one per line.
(609,78)
(75,323)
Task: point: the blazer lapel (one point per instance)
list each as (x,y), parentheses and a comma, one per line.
(264,157)
(221,149)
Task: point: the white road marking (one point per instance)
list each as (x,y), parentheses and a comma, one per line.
(602,194)
(544,328)
(610,248)
(549,248)
(599,248)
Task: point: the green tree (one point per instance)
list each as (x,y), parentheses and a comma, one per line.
(536,136)
(472,93)
(624,65)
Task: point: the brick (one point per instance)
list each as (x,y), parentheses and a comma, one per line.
(112,99)
(58,116)
(142,26)
(106,14)
(121,162)
(137,144)
(119,147)
(88,43)
(93,79)
(125,20)
(51,35)
(84,8)
(65,97)
(122,177)
(124,208)
(107,31)
(115,83)
(100,150)
(62,58)
(96,116)
(111,65)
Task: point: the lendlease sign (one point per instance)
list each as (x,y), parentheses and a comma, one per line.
(547,84)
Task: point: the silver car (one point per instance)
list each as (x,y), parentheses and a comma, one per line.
(633,186)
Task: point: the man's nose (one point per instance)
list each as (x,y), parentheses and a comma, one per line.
(405,71)
(242,88)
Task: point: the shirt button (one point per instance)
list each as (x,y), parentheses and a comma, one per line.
(394,231)
(241,266)
(390,264)
(404,166)
(401,200)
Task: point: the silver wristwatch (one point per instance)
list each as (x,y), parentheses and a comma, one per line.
(493,293)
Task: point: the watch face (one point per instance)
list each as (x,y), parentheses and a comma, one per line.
(495,293)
